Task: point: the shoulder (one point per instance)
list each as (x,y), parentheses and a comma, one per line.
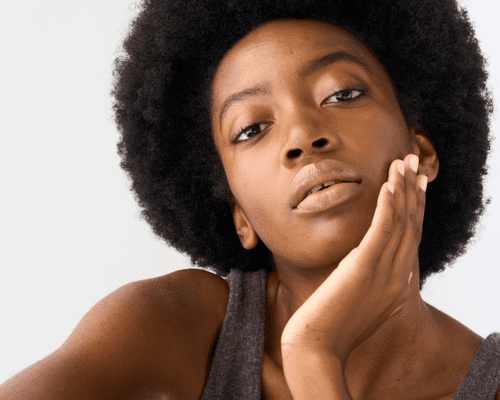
(162,328)
(459,346)
(151,337)
(177,302)
(188,292)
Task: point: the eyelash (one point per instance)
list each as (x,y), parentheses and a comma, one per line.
(361,92)
(243,130)
(247,128)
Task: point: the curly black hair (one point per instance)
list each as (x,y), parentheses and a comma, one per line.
(162,91)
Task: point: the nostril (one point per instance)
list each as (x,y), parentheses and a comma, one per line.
(297,152)
(294,153)
(320,142)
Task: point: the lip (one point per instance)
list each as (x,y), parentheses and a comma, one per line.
(312,175)
(328,198)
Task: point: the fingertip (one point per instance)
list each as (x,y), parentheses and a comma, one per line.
(390,187)
(401,167)
(387,192)
(422,182)
(414,162)
(386,197)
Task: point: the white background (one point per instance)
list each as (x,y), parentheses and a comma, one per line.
(70,231)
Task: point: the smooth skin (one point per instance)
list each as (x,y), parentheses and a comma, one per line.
(382,265)
(344,316)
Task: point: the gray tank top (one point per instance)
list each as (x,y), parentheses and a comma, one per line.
(236,364)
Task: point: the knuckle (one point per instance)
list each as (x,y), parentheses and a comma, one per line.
(412,219)
(386,229)
(401,184)
(383,228)
(413,183)
(392,203)
(416,228)
(418,234)
(401,222)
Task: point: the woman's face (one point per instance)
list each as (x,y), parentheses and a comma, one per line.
(295,104)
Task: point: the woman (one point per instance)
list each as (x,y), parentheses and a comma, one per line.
(293,147)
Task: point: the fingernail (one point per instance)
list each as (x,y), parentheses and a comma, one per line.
(401,168)
(414,163)
(411,276)
(390,186)
(423,182)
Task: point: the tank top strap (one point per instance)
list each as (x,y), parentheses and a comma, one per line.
(237,360)
(483,378)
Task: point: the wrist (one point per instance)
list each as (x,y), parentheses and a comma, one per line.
(313,348)
(314,373)
(332,342)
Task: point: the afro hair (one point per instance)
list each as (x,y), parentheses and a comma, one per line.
(162,92)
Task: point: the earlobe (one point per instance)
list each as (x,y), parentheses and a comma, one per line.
(246,233)
(424,149)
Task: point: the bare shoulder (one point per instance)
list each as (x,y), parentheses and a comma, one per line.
(192,295)
(147,338)
(458,346)
(165,327)
(464,345)
(457,334)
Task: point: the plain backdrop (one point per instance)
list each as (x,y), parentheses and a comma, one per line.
(71,232)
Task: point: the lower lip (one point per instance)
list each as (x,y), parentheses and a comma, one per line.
(328,198)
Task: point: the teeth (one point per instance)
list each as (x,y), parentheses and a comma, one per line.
(330,183)
(315,189)
(319,187)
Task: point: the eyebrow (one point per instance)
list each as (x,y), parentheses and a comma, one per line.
(239,96)
(310,68)
(340,56)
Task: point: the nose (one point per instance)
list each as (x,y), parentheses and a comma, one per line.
(306,135)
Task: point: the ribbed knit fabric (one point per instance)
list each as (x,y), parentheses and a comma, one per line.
(483,378)
(237,362)
(236,366)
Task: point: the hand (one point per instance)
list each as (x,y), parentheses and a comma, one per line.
(371,284)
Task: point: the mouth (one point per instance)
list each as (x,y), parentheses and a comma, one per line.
(322,186)
(321,182)
(327,197)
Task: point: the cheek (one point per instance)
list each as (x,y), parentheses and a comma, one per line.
(258,186)
(253,183)
(379,137)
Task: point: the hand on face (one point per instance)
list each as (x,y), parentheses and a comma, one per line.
(372,283)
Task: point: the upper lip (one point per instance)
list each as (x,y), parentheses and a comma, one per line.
(315,174)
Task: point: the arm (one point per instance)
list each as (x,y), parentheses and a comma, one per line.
(366,289)
(149,337)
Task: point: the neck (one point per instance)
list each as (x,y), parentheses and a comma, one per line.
(397,352)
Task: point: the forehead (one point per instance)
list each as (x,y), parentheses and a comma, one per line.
(283,45)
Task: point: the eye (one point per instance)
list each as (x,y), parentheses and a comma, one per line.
(249,132)
(344,95)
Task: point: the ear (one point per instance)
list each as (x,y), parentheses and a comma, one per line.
(246,233)
(424,149)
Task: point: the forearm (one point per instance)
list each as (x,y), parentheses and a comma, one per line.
(314,375)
